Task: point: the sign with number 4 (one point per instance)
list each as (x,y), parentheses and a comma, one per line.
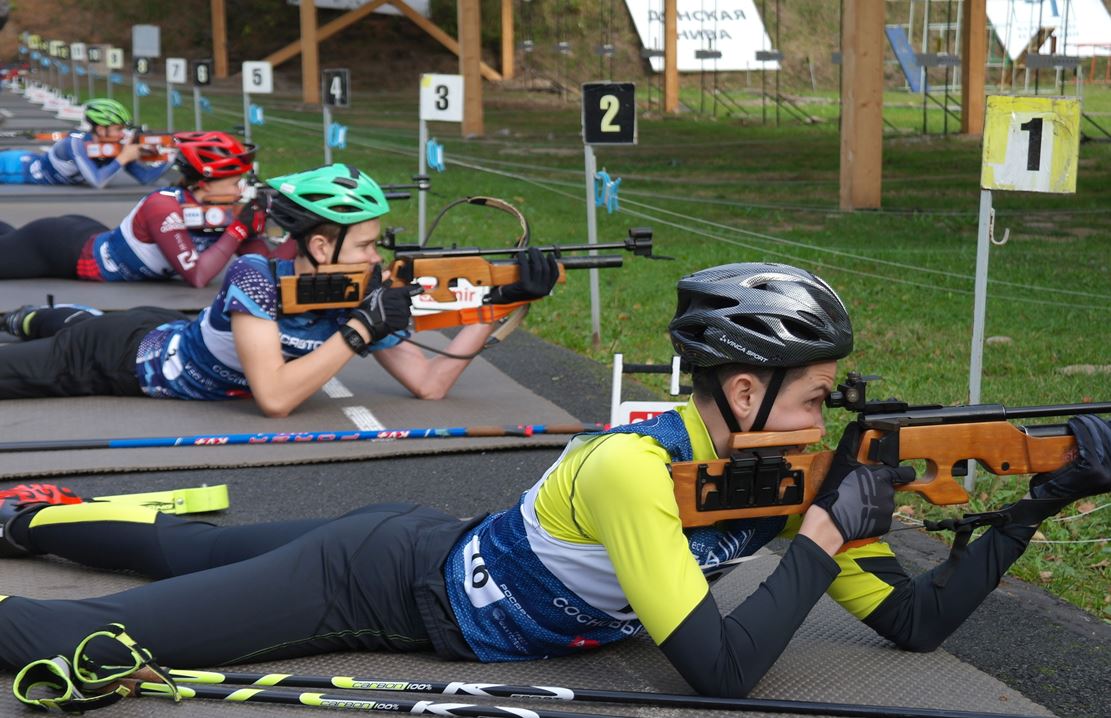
(337,88)
(609,113)
(1031,144)
(258,78)
(441,98)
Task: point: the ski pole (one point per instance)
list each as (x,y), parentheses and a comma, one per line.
(491,690)
(340,702)
(304,437)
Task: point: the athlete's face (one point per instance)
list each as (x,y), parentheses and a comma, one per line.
(360,245)
(800,400)
(109,133)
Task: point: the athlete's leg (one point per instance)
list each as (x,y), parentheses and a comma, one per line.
(33,321)
(48,247)
(347,585)
(91,357)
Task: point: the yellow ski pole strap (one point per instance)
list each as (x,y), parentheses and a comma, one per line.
(48,684)
(60,685)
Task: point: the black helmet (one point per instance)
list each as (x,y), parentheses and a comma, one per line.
(770,315)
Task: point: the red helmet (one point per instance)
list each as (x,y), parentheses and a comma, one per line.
(212,155)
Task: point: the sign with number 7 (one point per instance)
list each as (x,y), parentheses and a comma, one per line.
(1031,144)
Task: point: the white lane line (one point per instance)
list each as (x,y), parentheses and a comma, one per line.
(361,417)
(6,113)
(336,390)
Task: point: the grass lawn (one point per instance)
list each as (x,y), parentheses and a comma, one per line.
(721,190)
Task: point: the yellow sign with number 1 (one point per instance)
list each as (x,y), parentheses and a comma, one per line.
(1031,144)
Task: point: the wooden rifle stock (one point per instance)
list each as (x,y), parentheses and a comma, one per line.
(769,475)
(446,271)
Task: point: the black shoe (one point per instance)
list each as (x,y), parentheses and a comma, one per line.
(14,323)
(19,500)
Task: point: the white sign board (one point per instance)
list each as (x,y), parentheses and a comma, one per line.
(258,78)
(1031,144)
(146,41)
(441,98)
(115,58)
(177,70)
(77,51)
(732,27)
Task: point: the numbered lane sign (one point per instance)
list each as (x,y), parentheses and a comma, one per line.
(94,54)
(55,47)
(142,65)
(77,51)
(115,58)
(609,114)
(1031,144)
(63,51)
(202,72)
(441,98)
(337,88)
(258,78)
(176,70)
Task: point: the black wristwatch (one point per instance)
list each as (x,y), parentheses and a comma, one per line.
(354,340)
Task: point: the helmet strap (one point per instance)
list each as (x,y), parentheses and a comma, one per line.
(723,405)
(769,398)
(339,243)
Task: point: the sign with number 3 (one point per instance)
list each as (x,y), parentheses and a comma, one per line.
(441,98)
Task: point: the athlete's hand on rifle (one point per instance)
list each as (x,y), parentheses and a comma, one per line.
(539,273)
(251,220)
(129,153)
(1090,473)
(384,310)
(860,498)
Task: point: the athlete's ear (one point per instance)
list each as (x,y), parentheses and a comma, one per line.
(740,389)
(320,249)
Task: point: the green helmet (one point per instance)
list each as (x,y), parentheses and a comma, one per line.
(336,193)
(102,111)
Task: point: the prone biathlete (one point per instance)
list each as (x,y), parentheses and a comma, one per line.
(242,345)
(593,553)
(166,235)
(67,162)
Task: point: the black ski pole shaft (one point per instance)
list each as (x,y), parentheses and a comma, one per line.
(494,690)
(341,702)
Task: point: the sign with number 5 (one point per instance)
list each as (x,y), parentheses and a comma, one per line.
(1031,144)
(258,78)
(441,98)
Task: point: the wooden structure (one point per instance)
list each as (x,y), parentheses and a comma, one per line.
(974,50)
(862,49)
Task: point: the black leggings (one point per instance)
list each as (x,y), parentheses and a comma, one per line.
(46,248)
(369,580)
(88,356)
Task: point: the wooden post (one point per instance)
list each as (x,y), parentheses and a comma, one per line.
(470,55)
(507,49)
(310,53)
(220,38)
(671,56)
(974,50)
(862,49)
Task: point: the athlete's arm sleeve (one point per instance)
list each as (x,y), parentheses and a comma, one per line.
(919,613)
(169,233)
(632,512)
(146,173)
(93,175)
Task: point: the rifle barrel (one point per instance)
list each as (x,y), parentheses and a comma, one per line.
(477,252)
(982,412)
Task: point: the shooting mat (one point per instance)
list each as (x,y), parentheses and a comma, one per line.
(364,392)
(833,658)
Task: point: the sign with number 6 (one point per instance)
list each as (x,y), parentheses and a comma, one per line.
(1031,144)
(609,115)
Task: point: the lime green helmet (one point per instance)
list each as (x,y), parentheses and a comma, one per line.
(102,111)
(336,194)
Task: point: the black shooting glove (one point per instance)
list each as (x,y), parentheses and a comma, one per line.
(1090,473)
(860,498)
(538,274)
(384,310)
